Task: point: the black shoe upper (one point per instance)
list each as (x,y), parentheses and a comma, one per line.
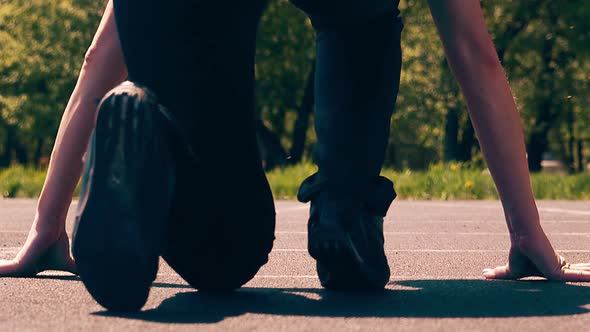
(345,234)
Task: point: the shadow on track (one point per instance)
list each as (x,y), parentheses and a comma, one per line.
(77,278)
(416,298)
(57,277)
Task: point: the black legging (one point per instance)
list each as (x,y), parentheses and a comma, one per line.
(198,57)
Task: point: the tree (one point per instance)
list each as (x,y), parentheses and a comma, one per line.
(43,43)
(544,46)
(285,54)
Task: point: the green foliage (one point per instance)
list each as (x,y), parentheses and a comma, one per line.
(450,181)
(284,56)
(544,45)
(42,44)
(286,180)
(18,181)
(444,182)
(554,85)
(416,131)
(572,187)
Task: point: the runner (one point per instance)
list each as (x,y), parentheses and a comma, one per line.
(126,221)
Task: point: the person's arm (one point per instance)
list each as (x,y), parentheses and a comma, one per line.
(47,246)
(474,62)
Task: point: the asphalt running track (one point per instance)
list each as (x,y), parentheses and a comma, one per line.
(437,251)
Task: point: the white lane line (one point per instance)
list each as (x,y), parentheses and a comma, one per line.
(480,221)
(393,251)
(396,233)
(303,233)
(453,222)
(445,233)
(288,250)
(461,205)
(444,250)
(315,277)
(478,206)
(393,278)
(555,210)
(286,276)
(390,221)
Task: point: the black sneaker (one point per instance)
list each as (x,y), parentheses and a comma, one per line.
(345,235)
(125,199)
(348,244)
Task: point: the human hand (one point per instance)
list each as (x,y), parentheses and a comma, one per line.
(533,256)
(40,252)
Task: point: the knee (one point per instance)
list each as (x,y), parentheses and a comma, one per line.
(222,255)
(230,274)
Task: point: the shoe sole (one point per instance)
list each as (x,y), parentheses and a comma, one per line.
(339,260)
(115,248)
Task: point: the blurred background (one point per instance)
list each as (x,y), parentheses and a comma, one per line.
(544,46)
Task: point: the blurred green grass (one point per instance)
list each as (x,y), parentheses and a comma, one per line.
(450,181)
(19,181)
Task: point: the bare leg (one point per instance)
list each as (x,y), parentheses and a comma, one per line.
(47,246)
(473,59)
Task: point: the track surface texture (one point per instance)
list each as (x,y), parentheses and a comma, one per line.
(437,251)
